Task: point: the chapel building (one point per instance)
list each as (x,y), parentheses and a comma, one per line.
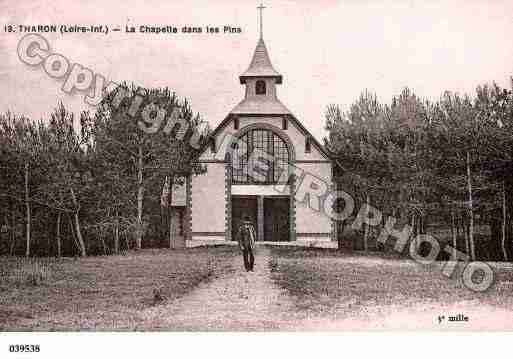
(215,201)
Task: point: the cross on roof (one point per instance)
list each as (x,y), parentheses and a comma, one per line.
(260,9)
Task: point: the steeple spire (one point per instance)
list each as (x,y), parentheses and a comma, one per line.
(260,65)
(260,79)
(260,9)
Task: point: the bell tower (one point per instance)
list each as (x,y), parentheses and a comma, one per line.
(260,80)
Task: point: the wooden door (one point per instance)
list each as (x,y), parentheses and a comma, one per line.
(276,219)
(241,206)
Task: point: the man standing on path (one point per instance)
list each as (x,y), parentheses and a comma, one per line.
(246,237)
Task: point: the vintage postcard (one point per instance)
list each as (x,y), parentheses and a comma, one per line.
(238,166)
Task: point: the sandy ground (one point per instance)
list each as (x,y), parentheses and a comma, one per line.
(241,301)
(425,318)
(251,301)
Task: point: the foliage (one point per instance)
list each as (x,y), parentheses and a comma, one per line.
(77,187)
(441,163)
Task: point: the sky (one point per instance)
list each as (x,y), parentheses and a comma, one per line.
(327,51)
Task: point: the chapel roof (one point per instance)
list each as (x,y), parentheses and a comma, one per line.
(262,105)
(261,65)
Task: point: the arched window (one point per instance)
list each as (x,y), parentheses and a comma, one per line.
(260,87)
(250,169)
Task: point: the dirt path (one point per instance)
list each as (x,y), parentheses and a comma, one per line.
(239,301)
(251,301)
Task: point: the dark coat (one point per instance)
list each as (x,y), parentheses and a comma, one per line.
(246,235)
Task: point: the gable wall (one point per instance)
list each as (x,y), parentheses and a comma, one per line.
(297,138)
(209,193)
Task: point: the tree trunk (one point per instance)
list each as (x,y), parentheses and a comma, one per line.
(27,211)
(170,212)
(49,235)
(366,229)
(453,233)
(414,230)
(59,248)
(78,231)
(504,218)
(140,194)
(116,232)
(471,211)
(127,242)
(72,231)
(508,192)
(104,245)
(339,224)
(79,235)
(465,233)
(13,229)
(340,230)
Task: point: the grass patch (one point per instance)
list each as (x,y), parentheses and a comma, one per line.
(19,271)
(101,292)
(322,280)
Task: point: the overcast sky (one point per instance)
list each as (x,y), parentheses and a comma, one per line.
(328,51)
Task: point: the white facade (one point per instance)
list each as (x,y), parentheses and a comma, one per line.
(217,198)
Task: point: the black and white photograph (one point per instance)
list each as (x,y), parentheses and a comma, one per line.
(255,167)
